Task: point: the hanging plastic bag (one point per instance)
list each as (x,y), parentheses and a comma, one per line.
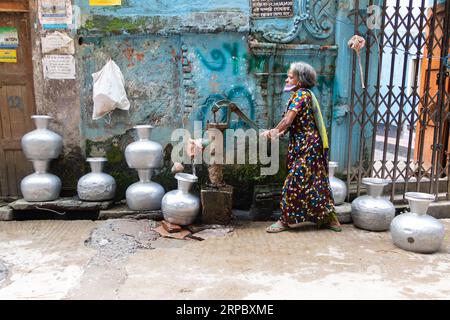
(109,90)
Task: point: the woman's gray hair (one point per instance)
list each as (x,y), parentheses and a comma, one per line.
(306,74)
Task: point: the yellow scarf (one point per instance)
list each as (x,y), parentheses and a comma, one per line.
(319,121)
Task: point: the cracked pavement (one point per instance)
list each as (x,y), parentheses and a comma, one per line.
(125,259)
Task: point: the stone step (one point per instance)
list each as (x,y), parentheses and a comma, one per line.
(61,204)
(6,213)
(122,211)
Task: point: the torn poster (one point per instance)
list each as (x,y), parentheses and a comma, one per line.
(58,41)
(59,67)
(9,37)
(8,55)
(55,14)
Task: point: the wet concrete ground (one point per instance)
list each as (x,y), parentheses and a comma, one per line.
(125,259)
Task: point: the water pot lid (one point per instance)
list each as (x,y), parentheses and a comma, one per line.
(143,126)
(419,196)
(96,159)
(333,164)
(186,177)
(375,181)
(41,116)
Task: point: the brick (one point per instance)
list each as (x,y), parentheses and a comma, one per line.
(171,227)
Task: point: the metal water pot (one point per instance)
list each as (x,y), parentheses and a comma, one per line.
(338,187)
(96,185)
(40,185)
(416,230)
(145,194)
(144,153)
(179,206)
(373,212)
(41,144)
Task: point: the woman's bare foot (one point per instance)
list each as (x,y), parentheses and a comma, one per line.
(277,227)
(335,225)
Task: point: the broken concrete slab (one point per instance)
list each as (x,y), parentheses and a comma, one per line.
(343,212)
(61,204)
(122,211)
(195,228)
(6,214)
(213,233)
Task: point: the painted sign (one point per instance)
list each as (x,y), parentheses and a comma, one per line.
(55,14)
(272,8)
(9,37)
(59,67)
(8,55)
(105,2)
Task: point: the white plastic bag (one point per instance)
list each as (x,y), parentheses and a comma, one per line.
(109,90)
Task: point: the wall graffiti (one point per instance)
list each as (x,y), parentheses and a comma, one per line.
(219,62)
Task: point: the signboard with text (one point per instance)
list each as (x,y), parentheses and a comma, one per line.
(272,8)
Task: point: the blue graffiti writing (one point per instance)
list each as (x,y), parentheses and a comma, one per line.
(220,60)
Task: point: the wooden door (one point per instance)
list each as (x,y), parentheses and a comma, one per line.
(429,86)
(16,100)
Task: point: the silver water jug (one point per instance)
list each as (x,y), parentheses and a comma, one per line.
(338,187)
(145,194)
(373,212)
(40,185)
(179,206)
(96,185)
(41,144)
(144,153)
(416,230)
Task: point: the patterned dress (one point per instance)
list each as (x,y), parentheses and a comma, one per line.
(306,194)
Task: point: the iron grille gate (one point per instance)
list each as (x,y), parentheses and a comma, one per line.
(399,123)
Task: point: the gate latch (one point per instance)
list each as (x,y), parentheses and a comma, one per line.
(437,146)
(438,76)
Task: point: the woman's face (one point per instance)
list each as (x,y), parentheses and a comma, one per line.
(291,79)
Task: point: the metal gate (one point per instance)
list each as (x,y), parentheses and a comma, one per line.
(399,123)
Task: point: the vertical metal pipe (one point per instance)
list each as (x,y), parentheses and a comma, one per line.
(365,92)
(415,95)
(377,88)
(402,99)
(426,90)
(352,110)
(390,91)
(441,95)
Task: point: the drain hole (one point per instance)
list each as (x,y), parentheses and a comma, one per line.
(411,240)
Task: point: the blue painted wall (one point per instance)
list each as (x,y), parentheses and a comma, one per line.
(178,57)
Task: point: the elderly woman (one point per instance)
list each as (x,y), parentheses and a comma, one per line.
(306,194)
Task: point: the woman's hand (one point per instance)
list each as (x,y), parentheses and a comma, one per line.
(272,133)
(194,147)
(265,134)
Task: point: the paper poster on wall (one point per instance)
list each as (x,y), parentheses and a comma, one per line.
(58,41)
(55,14)
(59,67)
(105,2)
(9,37)
(8,55)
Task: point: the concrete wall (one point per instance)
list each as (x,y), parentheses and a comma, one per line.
(177,57)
